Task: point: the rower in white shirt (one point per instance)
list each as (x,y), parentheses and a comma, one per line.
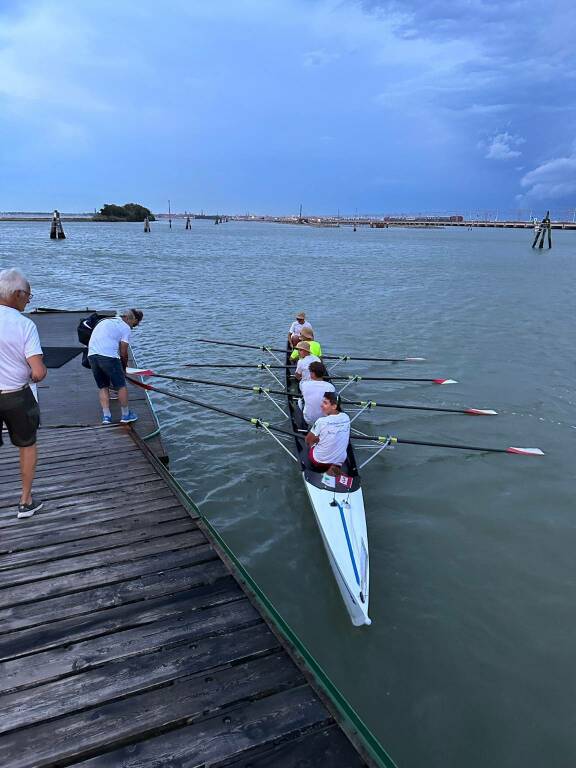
(306,358)
(313,392)
(329,437)
(296,328)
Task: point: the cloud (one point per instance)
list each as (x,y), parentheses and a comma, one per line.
(552,179)
(501,146)
(319,58)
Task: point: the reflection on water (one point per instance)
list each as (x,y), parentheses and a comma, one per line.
(469,658)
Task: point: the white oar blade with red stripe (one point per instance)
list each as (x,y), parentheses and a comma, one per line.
(139,372)
(526,451)
(445,381)
(481,412)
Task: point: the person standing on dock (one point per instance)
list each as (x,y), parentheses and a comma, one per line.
(296,327)
(21,363)
(108,358)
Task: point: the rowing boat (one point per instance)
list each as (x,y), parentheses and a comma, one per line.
(338,507)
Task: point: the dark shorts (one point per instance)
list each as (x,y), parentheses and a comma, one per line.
(107,371)
(21,414)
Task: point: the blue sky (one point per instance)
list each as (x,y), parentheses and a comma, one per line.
(258,105)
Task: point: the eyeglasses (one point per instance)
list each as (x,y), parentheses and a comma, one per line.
(28,293)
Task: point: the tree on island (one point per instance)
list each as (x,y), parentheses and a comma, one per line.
(128,212)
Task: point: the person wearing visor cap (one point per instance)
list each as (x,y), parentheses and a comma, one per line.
(294,334)
(307,334)
(305,359)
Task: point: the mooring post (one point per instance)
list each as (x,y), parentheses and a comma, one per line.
(188,223)
(56,228)
(169,215)
(540,231)
(146,224)
(549,229)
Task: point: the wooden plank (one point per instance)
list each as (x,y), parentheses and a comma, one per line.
(19,540)
(36,617)
(113,475)
(203,650)
(80,486)
(79,736)
(80,638)
(84,545)
(73,512)
(73,565)
(73,454)
(276,717)
(108,574)
(326,747)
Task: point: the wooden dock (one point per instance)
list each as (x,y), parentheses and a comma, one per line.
(125,637)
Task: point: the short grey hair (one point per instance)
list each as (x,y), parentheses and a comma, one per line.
(12,280)
(132,315)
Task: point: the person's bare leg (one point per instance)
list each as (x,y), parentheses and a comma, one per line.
(28,458)
(104,397)
(123,397)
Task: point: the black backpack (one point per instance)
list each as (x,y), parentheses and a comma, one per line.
(86,326)
(84,329)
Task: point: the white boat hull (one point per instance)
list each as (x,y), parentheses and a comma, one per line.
(343,530)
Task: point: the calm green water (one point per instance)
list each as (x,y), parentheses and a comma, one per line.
(470,658)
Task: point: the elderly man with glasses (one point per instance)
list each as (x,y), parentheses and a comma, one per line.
(21,366)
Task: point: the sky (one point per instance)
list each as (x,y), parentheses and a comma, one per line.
(375,106)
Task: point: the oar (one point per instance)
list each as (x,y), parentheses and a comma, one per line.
(259,390)
(384,438)
(391,378)
(267,348)
(373,438)
(467,411)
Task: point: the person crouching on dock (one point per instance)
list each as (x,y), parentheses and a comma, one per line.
(108,358)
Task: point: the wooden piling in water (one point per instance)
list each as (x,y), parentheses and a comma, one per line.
(146,224)
(56,228)
(545,227)
(188,223)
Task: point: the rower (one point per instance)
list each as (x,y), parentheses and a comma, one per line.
(307,334)
(296,328)
(329,437)
(313,391)
(305,359)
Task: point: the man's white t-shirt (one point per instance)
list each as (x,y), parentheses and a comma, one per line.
(107,336)
(18,340)
(303,366)
(313,392)
(334,434)
(297,326)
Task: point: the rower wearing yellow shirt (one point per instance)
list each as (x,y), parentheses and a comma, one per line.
(307,334)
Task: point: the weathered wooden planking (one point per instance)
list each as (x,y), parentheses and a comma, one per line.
(36,617)
(108,574)
(79,736)
(272,719)
(75,564)
(27,541)
(86,643)
(326,747)
(93,507)
(96,543)
(118,679)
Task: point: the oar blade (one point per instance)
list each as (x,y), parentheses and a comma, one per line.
(413,359)
(444,381)
(139,372)
(481,412)
(526,451)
